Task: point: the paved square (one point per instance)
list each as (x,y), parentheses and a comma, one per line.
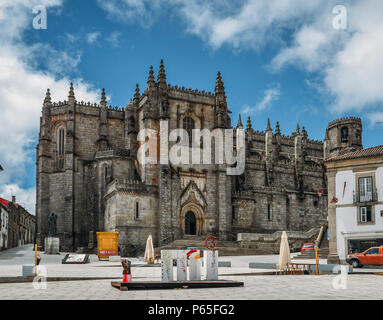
(356,286)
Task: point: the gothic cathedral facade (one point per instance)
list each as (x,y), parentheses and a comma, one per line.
(88,173)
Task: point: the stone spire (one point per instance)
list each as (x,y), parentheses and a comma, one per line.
(137,95)
(304,132)
(151,80)
(161,78)
(47,100)
(239,123)
(298,129)
(71,91)
(268,125)
(219,85)
(103,98)
(277,129)
(222,118)
(248,127)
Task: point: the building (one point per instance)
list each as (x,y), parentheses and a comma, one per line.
(3,226)
(88,173)
(355,193)
(21,224)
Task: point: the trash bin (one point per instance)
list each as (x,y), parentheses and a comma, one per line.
(107,244)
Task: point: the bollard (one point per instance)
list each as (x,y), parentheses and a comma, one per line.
(167,265)
(181,265)
(211,264)
(194,266)
(127,276)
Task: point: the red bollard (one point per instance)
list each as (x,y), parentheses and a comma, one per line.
(127,277)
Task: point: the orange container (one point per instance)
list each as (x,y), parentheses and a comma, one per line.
(107,244)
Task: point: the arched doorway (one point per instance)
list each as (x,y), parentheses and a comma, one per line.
(190,223)
(192,219)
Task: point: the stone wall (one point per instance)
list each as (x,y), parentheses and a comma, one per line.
(270,243)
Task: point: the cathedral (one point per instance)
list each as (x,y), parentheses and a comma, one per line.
(88,173)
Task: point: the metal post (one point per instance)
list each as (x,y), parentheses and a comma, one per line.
(316,261)
(35,260)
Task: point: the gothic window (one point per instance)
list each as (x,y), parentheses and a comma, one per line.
(188,125)
(61,147)
(268,212)
(137,211)
(344,134)
(233,213)
(132,123)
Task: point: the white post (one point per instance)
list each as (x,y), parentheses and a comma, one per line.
(211,264)
(181,265)
(167,265)
(195,267)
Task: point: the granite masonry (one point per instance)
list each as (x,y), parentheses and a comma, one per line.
(88,173)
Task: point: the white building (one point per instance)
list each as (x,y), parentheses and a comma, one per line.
(3,227)
(355,193)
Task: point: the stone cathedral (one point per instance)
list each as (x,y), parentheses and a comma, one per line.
(89,176)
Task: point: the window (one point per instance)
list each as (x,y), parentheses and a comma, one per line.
(373,251)
(188,125)
(344,134)
(268,212)
(365,189)
(61,147)
(137,211)
(365,214)
(233,212)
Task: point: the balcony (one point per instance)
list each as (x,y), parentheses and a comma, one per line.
(370,197)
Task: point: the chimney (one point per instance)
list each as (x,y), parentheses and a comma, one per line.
(14,199)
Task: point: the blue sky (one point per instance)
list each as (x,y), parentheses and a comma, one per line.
(281,60)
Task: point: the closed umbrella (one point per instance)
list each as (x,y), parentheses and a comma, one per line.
(149,251)
(284,252)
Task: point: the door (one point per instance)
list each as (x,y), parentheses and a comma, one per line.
(371,256)
(190,223)
(380,257)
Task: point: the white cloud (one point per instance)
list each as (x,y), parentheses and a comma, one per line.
(93,36)
(114,39)
(270,95)
(348,62)
(25,197)
(141,11)
(376,118)
(22,91)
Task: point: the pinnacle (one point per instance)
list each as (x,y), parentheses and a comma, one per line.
(151,75)
(137,93)
(248,123)
(71,91)
(161,74)
(219,85)
(268,125)
(103,97)
(47,99)
(239,123)
(277,129)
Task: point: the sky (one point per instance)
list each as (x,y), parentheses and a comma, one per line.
(293,61)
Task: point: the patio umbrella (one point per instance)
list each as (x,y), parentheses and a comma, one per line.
(149,251)
(284,252)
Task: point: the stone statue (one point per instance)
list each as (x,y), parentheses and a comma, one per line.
(52,225)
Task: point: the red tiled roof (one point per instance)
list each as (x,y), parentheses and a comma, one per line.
(364,153)
(4,202)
